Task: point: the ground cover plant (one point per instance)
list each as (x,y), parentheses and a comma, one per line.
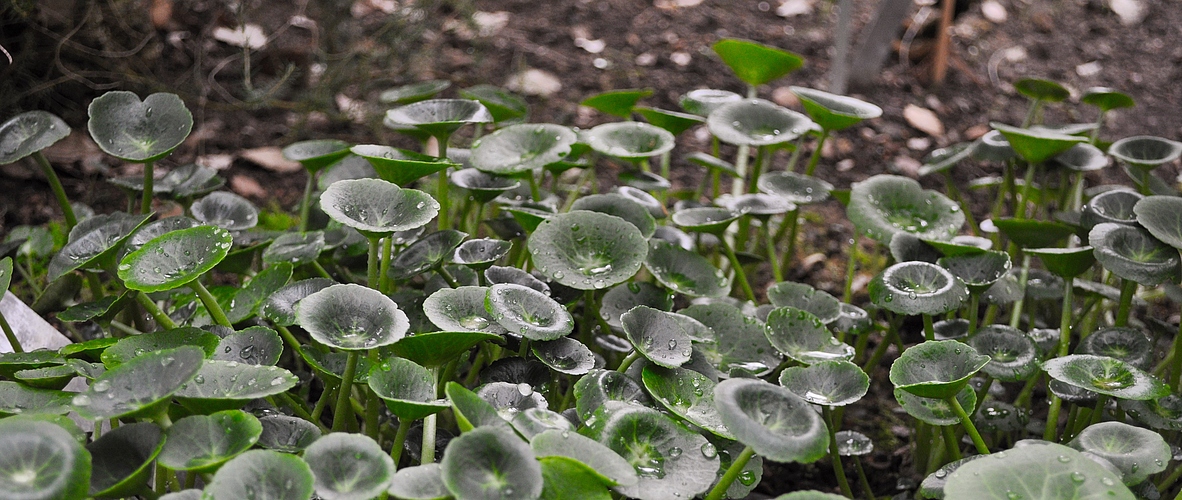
(472,322)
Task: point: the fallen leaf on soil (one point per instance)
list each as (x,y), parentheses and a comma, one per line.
(76,147)
(271,158)
(247,35)
(924,120)
(1130,12)
(976,131)
(845,165)
(355,109)
(247,186)
(646,59)
(1089,69)
(793,8)
(216,161)
(534,82)
(362,8)
(919,143)
(490,23)
(906,165)
(994,11)
(784,97)
(680,58)
(676,4)
(161,13)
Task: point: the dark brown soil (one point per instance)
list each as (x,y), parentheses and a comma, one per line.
(60,68)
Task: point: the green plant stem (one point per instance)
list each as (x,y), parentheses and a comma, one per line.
(93,283)
(761,156)
(880,350)
(1098,412)
(1052,428)
(372,406)
(477,364)
(384,268)
(834,457)
(10,335)
(290,339)
(161,319)
(1028,184)
(60,193)
(974,308)
(666,163)
(795,158)
(447,277)
(211,303)
(1023,276)
(950,442)
(816,157)
(1128,288)
(26,271)
(956,196)
(306,201)
(146,201)
(929,330)
(534,192)
(862,478)
(1065,317)
(923,446)
(1024,395)
(399,440)
(732,473)
(441,191)
(850,267)
(126,329)
(740,275)
(1176,361)
(737,184)
(777,274)
(321,270)
(790,219)
(296,405)
(373,266)
(628,360)
(1170,480)
(428,454)
(342,415)
(967,423)
(322,403)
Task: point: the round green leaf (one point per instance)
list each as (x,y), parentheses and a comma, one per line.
(932,486)
(122,458)
(1163,413)
(1106,99)
(1037,470)
(251,297)
(225,210)
(16,399)
(702,102)
(687,394)
(1036,145)
(287,434)
(481,253)
(518,149)
(1146,152)
(828,383)
(756,122)
(351,317)
(472,411)
(795,188)
(772,420)
(674,122)
(566,478)
(140,386)
(422,482)
(510,399)
(1065,262)
(1133,254)
(1081,157)
(1162,216)
(295,248)
(432,349)
(832,111)
(616,102)
(942,159)
(661,451)
(1105,375)
(1029,233)
(491,463)
(413,92)
(316,154)
(377,208)
(12,362)
(759,205)
(440,117)
(50,377)
(203,442)
(174,259)
(42,461)
(853,321)
(800,335)
(629,140)
(482,186)
(461,309)
(801,296)
(713,220)
(129,348)
(853,444)
(936,411)
(599,387)
(607,466)
(527,312)
(138,131)
(996,416)
(503,105)
(685,271)
(1138,453)
(1110,206)
(886,204)
(936,369)
(587,250)
(1126,344)
(1041,90)
(348,467)
(225,385)
(619,206)
(407,389)
(565,355)
(741,344)
(915,287)
(755,63)
(399,166)
(657,336)
(978,271)
(279,308)
(262,475)
(28,133)
(426,253)
(1012,354)
(623,297)
(94,243)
